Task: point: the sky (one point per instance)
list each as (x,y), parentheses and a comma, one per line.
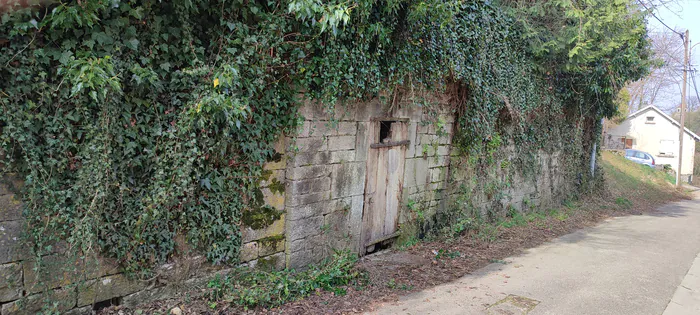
(681,16)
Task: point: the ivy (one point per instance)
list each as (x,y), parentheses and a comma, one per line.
(136,123)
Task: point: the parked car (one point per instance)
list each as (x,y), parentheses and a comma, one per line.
(640,157)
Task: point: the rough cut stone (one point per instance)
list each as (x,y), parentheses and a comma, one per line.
(270,247)
(10,282)
(10,184)
(346,128)
(274,229)
(341,143)
(307,186)
(272,262)
(273,199)
(60,271)
(85,310)
(275,176)
(148,296)
(316,209)
(443,150)
(342,156)
(312,171)
(10,247)
(34,303)
(312,158)
(249,251)
(106,288)
(362,142)
(415,172)
(306,227)
(296,200)
(312,128)
(10,208)
(348,180)
(412,129)
(313,144)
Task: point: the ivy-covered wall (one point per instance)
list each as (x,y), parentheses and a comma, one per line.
(141,129)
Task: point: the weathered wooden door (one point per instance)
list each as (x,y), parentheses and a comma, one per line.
(385,168)
(628,143)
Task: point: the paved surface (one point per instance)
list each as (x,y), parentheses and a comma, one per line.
(627,265)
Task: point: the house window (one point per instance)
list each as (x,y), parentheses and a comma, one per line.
(650,120)
(667,148)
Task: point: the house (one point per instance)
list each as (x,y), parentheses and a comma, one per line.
(653,131)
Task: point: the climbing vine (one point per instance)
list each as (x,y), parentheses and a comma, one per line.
(137,123)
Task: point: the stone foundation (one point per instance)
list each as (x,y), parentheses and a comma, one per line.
(317,187)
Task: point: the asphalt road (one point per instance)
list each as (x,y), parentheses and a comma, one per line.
(631,265)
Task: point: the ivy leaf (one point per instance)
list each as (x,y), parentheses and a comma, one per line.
(65,57)
(133,44)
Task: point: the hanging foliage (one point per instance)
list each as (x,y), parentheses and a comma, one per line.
(137,122)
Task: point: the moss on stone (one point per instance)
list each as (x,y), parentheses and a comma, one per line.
(271,241)
(276,186)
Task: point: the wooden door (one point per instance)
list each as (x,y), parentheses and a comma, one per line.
(628,143)
(384,183)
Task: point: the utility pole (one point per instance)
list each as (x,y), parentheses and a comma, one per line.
(686,40)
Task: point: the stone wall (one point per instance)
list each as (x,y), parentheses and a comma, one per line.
(504,186)
(327,169)
(315,190)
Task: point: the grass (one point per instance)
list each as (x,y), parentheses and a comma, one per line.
(632,184)
(628,186)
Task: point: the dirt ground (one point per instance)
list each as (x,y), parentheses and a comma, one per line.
(392,273)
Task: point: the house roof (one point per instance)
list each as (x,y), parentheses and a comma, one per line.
(673,121)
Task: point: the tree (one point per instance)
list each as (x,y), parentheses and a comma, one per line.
(666,75)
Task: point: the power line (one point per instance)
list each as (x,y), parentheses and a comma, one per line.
(695,86)
(658,19)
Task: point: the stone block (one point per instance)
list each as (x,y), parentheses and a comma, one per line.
(296,200)
(427,139)
(342,156)
(60,271)
(438,161)
(303,259)
(411,150)
(148,296)
(362,141)
(249,251)
(338,143)
(270,263)
(10,184)
(317,209)
(33,304)
(102,289)
(11,286)
(304,228)
(356,209)
(308,186)
(85,310)
(315,128)
(312,144)
(273,199)
(416,172)
(270,246)
(276,165)
(11,248)
(311,171)
(10,208)
(276,176)
(276,228)
(437,174)
(348,180)
(443,150)
(311,158)
(346,128)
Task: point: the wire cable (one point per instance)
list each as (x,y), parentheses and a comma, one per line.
(660,21)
